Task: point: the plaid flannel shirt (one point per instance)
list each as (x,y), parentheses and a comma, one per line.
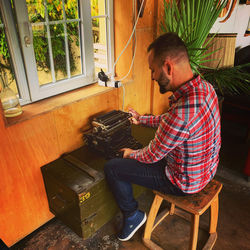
(188,136)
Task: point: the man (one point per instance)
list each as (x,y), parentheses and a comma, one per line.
(184,154)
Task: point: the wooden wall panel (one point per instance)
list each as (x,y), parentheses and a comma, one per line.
(160,101)
(27,146)
(72,120)
(123,22)
(160,14)
(137,94)
(23,149)
(149,15)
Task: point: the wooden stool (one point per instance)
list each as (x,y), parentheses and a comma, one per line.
(195,205)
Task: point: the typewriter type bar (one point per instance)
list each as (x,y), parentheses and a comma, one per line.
(110,133)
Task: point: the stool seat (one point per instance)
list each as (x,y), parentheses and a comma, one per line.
(195,205)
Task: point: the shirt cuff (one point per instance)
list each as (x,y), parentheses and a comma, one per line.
(133,154)
(143,119)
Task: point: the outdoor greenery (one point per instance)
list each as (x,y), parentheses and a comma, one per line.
(192,20)
(4,52)
(229,80)
(37,12)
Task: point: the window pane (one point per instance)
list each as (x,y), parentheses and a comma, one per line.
(100,44)
(58,55)
(58,48)
(55,10)
(5,60)
(97,7)
(71,9)
(74,48)
(36,10)
(40,43)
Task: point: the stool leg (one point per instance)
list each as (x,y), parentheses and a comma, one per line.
(214,215)
(171,212)
(194,231)
(152,215)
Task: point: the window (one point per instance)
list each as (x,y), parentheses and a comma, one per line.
(5,60)
(57,45)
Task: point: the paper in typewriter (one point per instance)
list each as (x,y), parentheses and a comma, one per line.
(110,133)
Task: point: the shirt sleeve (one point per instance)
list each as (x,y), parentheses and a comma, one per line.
(172,131)
(150,120)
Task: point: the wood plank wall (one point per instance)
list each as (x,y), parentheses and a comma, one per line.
(28,145)
(159,102)
(137,92)
(142,93)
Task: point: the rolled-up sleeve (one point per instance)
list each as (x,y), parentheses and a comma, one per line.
(150,120)
(172,131)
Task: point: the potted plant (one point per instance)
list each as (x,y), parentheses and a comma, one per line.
(192,20)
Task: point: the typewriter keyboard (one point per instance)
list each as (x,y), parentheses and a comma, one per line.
(131,142)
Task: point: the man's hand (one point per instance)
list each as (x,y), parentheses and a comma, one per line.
(126,152)
(135,116)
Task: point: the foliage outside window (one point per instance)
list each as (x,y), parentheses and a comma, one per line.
(52,23)
(61,54)
(5,59)
(36,10)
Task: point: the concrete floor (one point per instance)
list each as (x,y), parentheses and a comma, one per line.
(173,233)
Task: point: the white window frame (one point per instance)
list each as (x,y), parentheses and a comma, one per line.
(15,51)
(25,66)
(109,35)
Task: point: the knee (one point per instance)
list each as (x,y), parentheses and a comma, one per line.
(114,166)
(109,165)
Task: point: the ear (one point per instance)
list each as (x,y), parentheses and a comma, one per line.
(168,67)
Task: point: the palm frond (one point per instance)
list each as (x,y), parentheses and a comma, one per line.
(231,80)
(192,20)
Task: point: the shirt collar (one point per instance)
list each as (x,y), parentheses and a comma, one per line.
(185,88)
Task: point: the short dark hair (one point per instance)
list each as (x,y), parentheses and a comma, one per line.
(168,44)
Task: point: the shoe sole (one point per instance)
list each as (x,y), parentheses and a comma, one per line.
(135,230)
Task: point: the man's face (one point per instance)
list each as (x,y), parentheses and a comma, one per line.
(158,75)
(163,82)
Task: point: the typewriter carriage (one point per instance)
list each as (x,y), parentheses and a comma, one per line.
(110,133)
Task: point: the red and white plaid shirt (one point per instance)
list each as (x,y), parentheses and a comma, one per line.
(188,136)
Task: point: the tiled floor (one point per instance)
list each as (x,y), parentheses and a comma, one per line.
(173,233)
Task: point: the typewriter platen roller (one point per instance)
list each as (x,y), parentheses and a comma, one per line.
(110,133)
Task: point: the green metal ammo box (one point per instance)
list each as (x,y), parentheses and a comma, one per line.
(77,190)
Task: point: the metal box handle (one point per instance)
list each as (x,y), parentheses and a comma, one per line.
(82,166)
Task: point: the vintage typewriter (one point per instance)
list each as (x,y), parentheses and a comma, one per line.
(110,133)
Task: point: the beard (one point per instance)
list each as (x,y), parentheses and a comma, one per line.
(163,83)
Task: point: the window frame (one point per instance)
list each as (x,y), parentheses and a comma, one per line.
(25,66)
(15,51)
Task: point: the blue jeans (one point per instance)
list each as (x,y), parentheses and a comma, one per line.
(121,173)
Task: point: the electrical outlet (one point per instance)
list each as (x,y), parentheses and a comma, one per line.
(110,83)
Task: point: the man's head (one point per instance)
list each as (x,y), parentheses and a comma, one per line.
(168,61)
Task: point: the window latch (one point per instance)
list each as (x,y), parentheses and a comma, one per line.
(28,37)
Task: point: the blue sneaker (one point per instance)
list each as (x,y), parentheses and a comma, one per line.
(131,225)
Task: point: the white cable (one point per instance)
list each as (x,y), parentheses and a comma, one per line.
(132,62)
(113,73)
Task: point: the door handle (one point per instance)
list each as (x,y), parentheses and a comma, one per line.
(28,35)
